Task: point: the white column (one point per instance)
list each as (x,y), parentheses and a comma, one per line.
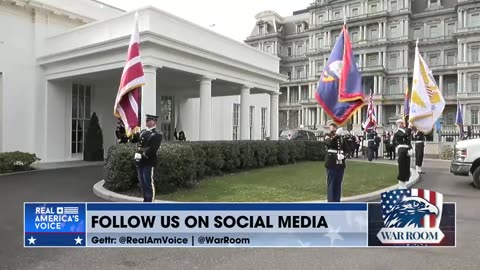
(465,24)
(380,58)
(405,59)
(401,28)
(380,115)
(380,85)
(459,53)
(329,38)
(460,82)
(288,118)
(149,93)
(465,59)
(355,118)
(384,29)
(299,88)
(299,117)
(288,94)
(365,32)
(273,116)
(375,84)
(406,28)
(441,83)
(205,126)
(244,112)
(322,116)
(380,30)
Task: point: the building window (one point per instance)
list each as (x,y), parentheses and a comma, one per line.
(357,60)
(299,50)
(450,29)
(264,123)
(289,51)
(474,20)
(81,107)
(417,33)
(354,36)
(354,12)
(236,122)
(251,121)
(289,74)
(434,3)
(167,116)
(373,8)
(320,19)
(434,31)
(451,59)
(319,42)
(393,61)
(372,60)
(475,54)
(260,29)
(393,86)
(474,81)
(299,28)
(373,33)
(319,65)
(268,49)
(451,89)
(336,15)
(393,31)
(299,73)
(474,117)
(393,5)
(433,60)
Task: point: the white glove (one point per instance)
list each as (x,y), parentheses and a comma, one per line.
(410,152)
(340,156)
(339,132)
(138,156)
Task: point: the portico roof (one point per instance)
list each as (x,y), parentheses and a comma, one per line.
(166,41)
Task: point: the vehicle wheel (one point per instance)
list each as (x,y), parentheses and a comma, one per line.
(476,177)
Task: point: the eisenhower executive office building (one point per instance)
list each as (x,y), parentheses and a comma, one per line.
(61,62)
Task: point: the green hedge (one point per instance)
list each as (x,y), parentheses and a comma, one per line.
(183,164)
(16,161)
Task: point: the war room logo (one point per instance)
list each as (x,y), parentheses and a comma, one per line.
(411,216)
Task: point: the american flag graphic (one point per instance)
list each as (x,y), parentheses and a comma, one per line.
(128,101)
(419,208)
(371,116)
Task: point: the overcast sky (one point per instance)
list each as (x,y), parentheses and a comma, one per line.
(232,18)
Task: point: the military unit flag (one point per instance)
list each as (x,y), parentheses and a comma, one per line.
(406,106)
(459,120)
(426,101)
(371,121)
(128,101)
(339,90)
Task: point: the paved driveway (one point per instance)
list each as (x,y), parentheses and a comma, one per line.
(76,185)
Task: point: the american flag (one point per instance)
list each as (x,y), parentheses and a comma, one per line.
(394,198)
(128,101)
(371,116)
(459,120)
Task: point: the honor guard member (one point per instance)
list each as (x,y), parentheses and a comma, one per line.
(335,161)
(149,141)
(401,140)
(371,143)
(419,140)
(120,133)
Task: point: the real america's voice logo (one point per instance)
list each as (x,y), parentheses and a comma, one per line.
(411,216)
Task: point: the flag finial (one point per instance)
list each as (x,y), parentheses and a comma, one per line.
(416,43)
(344,19)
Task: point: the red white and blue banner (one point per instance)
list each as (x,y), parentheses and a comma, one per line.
(371,120)
(428,222)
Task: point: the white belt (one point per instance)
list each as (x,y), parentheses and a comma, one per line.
(334,151)
(370,140)
(403,146)
(419,142)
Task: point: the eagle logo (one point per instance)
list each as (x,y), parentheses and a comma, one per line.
(409,212)
(411,208)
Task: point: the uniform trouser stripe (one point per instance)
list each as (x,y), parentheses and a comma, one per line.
(152,182)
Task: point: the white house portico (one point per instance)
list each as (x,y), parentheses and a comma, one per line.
(183,63)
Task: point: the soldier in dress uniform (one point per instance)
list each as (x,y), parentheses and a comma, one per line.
(371,143)
(419,140)
(401,140)
(149,141)
(335,161)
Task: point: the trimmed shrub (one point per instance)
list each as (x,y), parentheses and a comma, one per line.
(315,151)
(183,164)
(119,170)
(231,157)
(283,153)
(174,168)
(16,161)
(93,141)
(247,156)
